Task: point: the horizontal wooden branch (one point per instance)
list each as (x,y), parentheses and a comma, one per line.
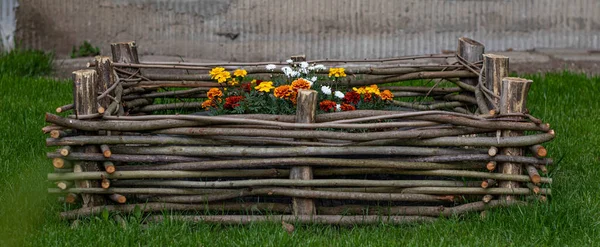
(290,182)
(166,174)
(303,219)
(314,194)
(473,191)
(481,157)
(285,162)
(311,134)
(159,207)
(322,172)
(300,151)
(126,158)
(457,141)
(203,197)
(433,211)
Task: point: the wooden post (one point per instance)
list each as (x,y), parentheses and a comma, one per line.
(124,52)
(472,51)
(85,90)
(513,99)
(106,78)
(305,113)
(495,67)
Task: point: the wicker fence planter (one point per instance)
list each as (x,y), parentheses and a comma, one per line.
(472,148)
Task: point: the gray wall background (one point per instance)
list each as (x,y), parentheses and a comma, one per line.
(243,30)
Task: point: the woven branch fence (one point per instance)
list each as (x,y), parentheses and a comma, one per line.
(471,147)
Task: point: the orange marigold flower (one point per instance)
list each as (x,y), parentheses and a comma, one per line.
(300,83)
(283,91)
(327,105)
(240,72)
(386,95)
(337,72)
(232,102)
(347,107)
(214,92)
(294,97)
(207,104)
(351,97)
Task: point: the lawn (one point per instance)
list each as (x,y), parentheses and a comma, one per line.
(29,216)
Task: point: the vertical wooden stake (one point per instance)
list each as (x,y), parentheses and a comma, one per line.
(513,99)
(495,67)
(472,51)
(106,78)
(305,113)
(84,94)
(124,52)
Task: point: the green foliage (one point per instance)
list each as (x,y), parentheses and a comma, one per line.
(85,50)
(23,62)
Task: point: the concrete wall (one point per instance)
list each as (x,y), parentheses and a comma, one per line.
(241,30)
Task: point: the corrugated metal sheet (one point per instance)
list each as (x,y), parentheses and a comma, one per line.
(265,29)
(8,24)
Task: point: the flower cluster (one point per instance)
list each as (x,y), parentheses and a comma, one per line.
(351,100)
(279,95)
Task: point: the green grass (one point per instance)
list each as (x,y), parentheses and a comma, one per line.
(28,216)
(19,62)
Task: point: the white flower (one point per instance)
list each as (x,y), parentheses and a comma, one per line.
(318,67)
(289,61)
(338,107)
(270,66)
(287,70)
(339,94)
(303,65)
(313,79)
(303,71)
(326,90)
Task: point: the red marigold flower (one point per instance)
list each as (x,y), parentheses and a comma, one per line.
(351,98)
(327,105)
(347,107)
(368,97)
(232,102)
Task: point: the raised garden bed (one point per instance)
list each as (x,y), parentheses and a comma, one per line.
(458,139)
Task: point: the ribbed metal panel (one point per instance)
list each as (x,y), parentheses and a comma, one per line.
(266,29)
(8,23)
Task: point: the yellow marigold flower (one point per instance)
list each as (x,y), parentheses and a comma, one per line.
(216,71)
(233,82)
(337,72)
(265,86)
(373,89)
(207,104)
(240,72)
(386,95)
(360,90)
(283,91)
(222,77)
(214,92)
(300,84)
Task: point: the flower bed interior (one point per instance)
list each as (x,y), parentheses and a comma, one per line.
(321,141)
